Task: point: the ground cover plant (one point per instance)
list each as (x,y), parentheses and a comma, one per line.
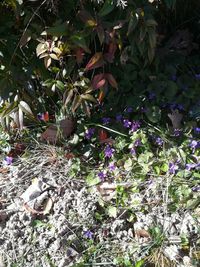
(100,135)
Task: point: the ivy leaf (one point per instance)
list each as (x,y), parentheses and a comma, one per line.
(91,179)
(154,114)
(112,211)
(128,165)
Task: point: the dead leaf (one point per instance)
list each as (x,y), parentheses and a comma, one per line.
(48,206)
(4,170)
(108,190)
(142,233)
(55,133)
(176,119)
(95,62)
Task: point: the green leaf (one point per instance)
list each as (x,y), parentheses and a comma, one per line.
(89,98)
(91,179)
(59,30)
(38,223)
(132,24)
(170,3)
(112,211)
(79,40)
(164,167)
(154,114)
(60,85)
(107,8)
(139,263)
(128,164)
(157,169)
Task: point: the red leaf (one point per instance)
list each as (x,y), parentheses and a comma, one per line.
(110,55)
(46,116)
(101,96)
(111,80)
(103,135)
(95,62)
(98,81)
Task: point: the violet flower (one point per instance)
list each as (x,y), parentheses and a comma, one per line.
(196,188)
(159,141)
(108,152)
(88,234)
(132,151)
(197,130)
(191,166)
(173,167)
(102,176)
(174,77)
(135,126)
(89,133)
(177,132)
(197,76)
(194,145)
(119,117)
(112,166)
(126,123)
(106,121)
(128,110)
(143,109)
(8,160)
(137,143)
(152,95)
(175,106)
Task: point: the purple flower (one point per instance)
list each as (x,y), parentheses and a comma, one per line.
(119,117)
(8,160)
(197,130)
(196,188)
(152,95)
(177,132)
(197,76)
(108,152)
(135,126)
(191,166)
(128,110)
(106,121)
(102,176)
(132,151)
(174,77)
(194,145)
(88,234)
(89,133)
(112,166)
(126,123)
(143,109)
(159,141)
(175,106)
(137,143)
(40,117)
(173,167)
